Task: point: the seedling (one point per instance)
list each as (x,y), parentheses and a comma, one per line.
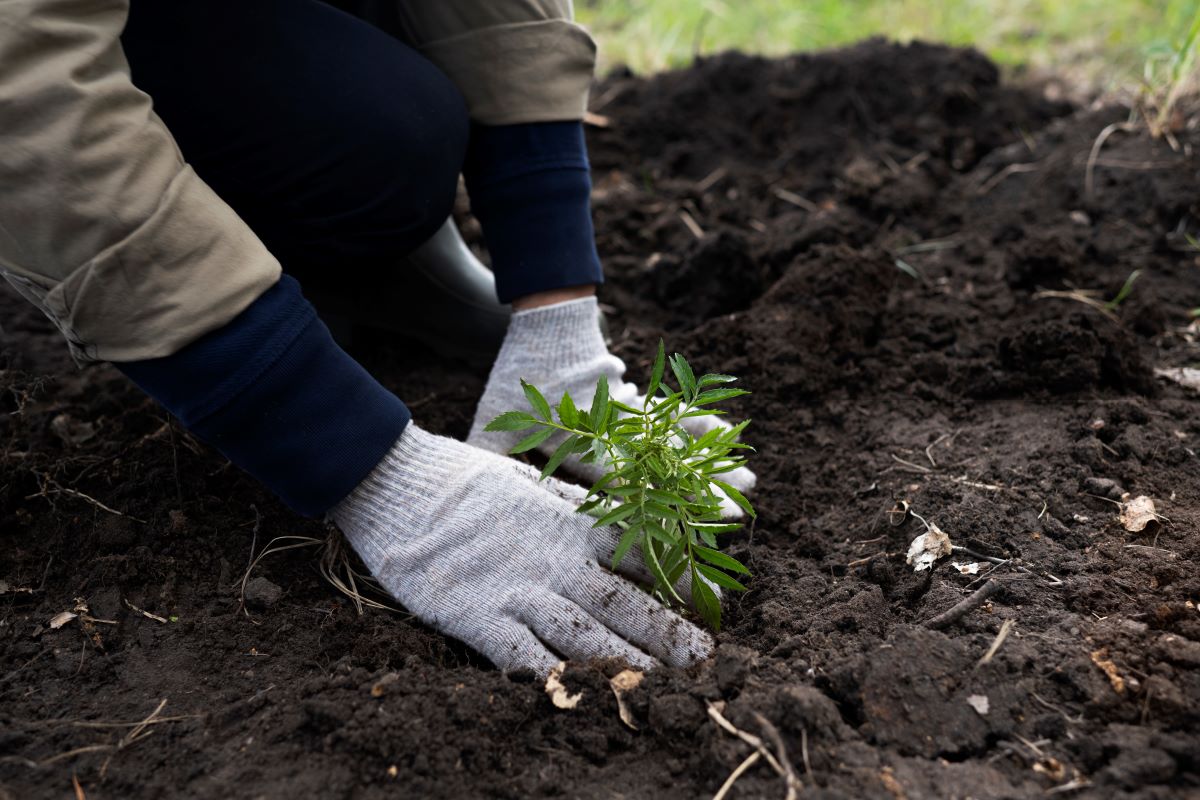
(662,487)
(1126,290)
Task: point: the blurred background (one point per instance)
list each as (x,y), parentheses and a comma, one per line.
(1100,45)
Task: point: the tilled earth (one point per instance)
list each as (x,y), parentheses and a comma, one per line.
(865,237)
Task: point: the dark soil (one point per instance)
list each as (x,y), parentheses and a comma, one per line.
(1002,417)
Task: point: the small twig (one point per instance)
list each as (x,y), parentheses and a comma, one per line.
(48,482)
(910,465)
(1078,296)
(804,751)
(749,738)
(796,200)
(1089,182)
(691,224)
(749,762)
(1005,627)
(1011,169)
(1171,553)
(933,444)
(1043,701)
(1070,786)
(145,613)
(793,781)
(862,562)
(960,610)
(1000,561)
(711,180)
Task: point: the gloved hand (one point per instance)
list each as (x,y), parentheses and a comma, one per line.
(474,546)
(559,348)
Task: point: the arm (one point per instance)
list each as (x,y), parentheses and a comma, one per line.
(102,224)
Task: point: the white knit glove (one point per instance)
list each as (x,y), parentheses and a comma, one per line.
(474,546)
(560,348)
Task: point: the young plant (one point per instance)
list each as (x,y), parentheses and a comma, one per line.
(662,487)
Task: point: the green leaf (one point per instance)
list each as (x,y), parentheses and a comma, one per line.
(536,401)
(683,374)
(568,414)
(706,602)
(720,578)
(590,505)
(661,511)
(719,559)
(512,421)
(717,396)
(711,378)
(665,497)
(599,411)
(655,529)
(560,454)
(631,535)
(665,586)
(703,412)
(531,441)
(736,497)
(657,372)
(720,527)
(625,408)
(616,515)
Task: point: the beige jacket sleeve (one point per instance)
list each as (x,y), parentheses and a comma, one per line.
(102,224)
(514,60)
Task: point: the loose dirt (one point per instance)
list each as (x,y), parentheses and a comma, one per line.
(876,225)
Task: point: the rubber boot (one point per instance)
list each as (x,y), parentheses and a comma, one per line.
(440,295)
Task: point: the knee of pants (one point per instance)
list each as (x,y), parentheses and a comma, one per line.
(397,183)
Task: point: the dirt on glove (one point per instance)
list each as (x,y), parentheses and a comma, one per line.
(864,237)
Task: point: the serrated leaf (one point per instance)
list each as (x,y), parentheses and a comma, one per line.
(712,377)
(683,374)
(720,578)
(568,414)
(616,515)
(657,372)
(722,560)
(531,441)
(622,407)
(560,454)
(703,412)
(589,506)
(665,497)
(512,421)
(536,401)
(718,528)
(664,512)
(706,602)
(599,409)
(736,497)
(656,530)
(717,396)
(631,535)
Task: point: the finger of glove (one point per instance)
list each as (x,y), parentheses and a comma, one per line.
(633,563)
(577,635)
(514,646)
(639,618)
(698,426)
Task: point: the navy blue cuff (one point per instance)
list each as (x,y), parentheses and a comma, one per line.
(531,191)
(275,394)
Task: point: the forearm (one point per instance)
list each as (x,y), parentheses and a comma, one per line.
(274,393)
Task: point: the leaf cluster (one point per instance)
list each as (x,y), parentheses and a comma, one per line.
(662,487)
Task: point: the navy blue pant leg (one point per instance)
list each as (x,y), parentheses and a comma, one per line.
(338,144)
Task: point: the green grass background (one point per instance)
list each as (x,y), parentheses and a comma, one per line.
(1106,44)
